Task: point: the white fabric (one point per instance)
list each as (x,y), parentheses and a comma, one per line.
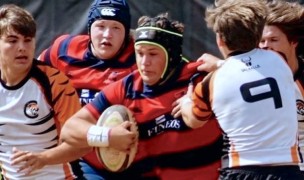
(27,133)
(300,113)
(98,136)
(258,132)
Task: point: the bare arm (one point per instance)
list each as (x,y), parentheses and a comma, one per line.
(61,154)
(75,130)
(210,62)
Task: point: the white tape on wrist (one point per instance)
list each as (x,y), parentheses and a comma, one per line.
(220,63)
(98,136)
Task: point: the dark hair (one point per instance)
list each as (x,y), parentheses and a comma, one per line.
(13,17)
(289,18)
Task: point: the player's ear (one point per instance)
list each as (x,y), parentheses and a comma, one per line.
(219,40)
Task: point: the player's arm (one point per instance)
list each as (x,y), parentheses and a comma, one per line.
(195,108)
(210,62)
(80,131)
(30,161)
(187,105)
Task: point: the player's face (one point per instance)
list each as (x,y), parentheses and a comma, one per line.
(151,62)
(107,37)
(16,53)
(274,39)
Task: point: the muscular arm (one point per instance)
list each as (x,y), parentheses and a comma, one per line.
(74,131)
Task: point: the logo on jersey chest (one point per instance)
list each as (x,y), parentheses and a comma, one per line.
(86,96)
(300,107)
(248,63)
(163,123)
(31,109)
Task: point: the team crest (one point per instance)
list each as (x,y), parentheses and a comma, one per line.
(143,34)
(31,109)
(300,107)
(247,61)
(249,65)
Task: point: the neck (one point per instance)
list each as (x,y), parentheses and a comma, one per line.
(293,63)
(11,78)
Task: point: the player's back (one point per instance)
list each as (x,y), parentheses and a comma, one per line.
(253,99)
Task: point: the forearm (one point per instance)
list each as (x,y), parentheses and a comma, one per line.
(74,131)
(189,118)
(77,136)
(63,153)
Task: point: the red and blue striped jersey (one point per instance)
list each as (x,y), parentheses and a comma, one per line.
(88,74)
(167,148)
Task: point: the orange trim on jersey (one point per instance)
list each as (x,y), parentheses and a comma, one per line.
(295,153)
(235,157)
(200,108)
(202,105)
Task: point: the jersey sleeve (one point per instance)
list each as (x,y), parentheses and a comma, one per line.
(110,95)
(64,97)
(50,55)
(202,99)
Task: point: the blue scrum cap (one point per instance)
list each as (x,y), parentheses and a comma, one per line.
(117,10)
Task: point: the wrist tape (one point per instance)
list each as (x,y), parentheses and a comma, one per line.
(98,136)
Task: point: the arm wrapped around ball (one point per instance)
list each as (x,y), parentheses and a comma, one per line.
(98,136)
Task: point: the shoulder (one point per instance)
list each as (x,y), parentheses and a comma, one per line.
(49,72)
(190,72)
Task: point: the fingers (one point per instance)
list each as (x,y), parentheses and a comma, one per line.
(202,67)
(126,124)
(209,62)
(176,109)
(190,90)
(24,159)
(19,156)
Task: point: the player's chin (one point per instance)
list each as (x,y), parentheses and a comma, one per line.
(149,80)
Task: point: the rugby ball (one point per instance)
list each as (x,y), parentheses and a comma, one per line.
(113,159)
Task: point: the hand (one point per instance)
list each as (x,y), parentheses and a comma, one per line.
(209,62)
(121,138)
(177,105)
(29,161)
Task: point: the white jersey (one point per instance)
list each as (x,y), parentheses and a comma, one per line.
(253,98)
(29,121)
(300,109)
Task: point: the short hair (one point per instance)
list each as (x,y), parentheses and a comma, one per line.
(13,17)
(239,23)
(289,18)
